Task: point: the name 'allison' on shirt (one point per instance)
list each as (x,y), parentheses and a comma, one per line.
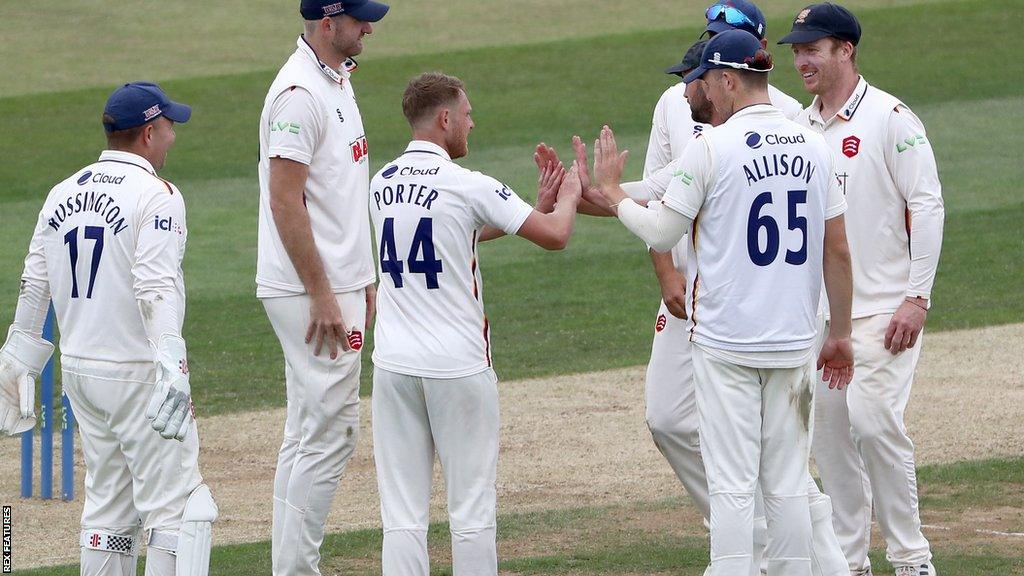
(777,164)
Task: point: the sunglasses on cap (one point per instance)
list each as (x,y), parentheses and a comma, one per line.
(747,65)
(733,16)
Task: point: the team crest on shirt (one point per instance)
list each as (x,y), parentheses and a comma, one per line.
(360,151)
(851,146)
(355,340)
(660,324)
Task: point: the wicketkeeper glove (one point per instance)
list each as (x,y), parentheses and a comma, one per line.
(170,406)
(22,358)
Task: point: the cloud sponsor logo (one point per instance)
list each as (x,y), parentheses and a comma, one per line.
(101,178)
(84,178)
(755,140)
(389,172)
(410,171)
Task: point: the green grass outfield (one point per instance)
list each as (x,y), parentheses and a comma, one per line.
(592,306)
(647,538)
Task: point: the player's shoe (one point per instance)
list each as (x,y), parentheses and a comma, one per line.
(922,570)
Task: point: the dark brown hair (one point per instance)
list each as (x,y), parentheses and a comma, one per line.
(426,92)
(762,60)
(121,139)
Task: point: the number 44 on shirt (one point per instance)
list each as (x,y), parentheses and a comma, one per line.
(422,245)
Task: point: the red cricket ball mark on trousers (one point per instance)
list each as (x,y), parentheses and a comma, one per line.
(355,339)
(660,324)
(851,146)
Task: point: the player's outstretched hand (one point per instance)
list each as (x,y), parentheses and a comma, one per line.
(608,163)
(836,362)
(326,325)
(905,327)
(590,192)
(22,358)
(551,172)
(571,188)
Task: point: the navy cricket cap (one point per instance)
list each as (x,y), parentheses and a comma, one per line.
(690,60)
(365,10)
(731,49)
(730,14)
(138,103)
(826,20)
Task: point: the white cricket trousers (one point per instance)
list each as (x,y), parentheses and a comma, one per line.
(320,432)
(864,453)
(671,414)
(457,417)
(135,480)
(755,431)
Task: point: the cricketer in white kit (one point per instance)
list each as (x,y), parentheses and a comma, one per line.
(755,297)
(669,393)
(314,270)
(669,390)
(895,221)
(107,249)
(434,388)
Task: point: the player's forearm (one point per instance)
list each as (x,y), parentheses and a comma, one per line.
(637,191)
(287,182)
(838,276)
(562,222)
(296,234)
(925,247)
(592,209)
(555,228)
(660,227)
(665,268)
(162,313)
(33,305)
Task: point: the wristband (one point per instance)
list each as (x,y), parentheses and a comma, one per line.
(916,302)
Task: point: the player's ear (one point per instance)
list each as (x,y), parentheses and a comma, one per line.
(444,117)
(146,137)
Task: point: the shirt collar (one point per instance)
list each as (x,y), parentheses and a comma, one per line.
(336,76)
(427,147)
(755,109)
(849,108)
(127,158)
